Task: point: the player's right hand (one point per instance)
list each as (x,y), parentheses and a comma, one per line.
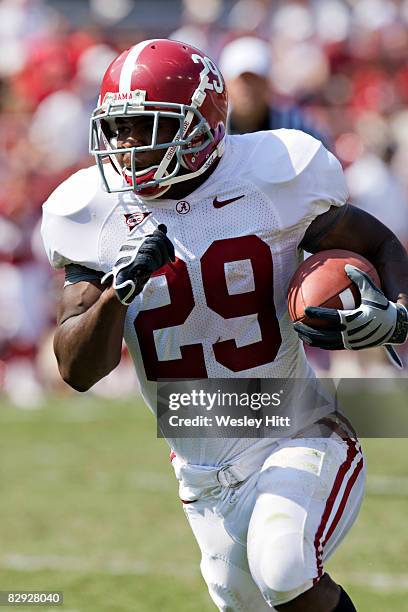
(376,322)
(134,266)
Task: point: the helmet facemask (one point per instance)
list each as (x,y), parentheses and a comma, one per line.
(193,135)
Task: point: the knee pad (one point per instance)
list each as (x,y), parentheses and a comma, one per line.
(279,569)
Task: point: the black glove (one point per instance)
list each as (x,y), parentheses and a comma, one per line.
(134,266)
(376,322)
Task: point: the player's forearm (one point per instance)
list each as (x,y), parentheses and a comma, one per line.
(88,346)
(355,230)
(391,261)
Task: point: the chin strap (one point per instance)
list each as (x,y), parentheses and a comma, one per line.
(161,191)
(197,100)
(171,151)
(164,186)
(218,152)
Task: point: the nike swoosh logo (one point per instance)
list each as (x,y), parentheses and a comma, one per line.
(220,203)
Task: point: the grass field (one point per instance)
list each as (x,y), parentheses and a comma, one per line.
(89,506)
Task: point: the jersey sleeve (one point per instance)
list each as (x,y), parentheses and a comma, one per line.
(300,176)
(324,183)
(72,219)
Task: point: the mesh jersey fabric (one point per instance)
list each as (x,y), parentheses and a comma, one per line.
(275,183)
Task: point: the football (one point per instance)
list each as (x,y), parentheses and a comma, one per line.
(322,281)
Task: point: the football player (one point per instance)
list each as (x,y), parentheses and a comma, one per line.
(183,240)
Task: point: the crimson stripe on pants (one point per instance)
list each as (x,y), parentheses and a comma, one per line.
(343,502)
(352,452)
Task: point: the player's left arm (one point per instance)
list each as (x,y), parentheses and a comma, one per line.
(354,229)
(382,317)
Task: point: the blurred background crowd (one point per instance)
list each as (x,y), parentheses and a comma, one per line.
(336,68)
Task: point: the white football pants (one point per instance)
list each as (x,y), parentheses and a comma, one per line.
(264,542)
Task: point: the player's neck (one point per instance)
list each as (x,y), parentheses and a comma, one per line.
(182,190)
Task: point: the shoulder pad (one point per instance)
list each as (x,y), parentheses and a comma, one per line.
(278,156)
(298,175)
(72,219)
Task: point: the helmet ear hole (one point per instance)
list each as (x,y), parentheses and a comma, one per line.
(189,160)
(194,160)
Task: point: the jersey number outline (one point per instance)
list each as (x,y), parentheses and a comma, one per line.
(226,352)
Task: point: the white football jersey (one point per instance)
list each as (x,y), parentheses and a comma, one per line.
(220,310)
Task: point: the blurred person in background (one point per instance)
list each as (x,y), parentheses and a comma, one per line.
(51,131)
(246,65)
(200,25)
(49,77)
(376,188)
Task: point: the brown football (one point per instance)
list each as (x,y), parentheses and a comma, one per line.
(321,281)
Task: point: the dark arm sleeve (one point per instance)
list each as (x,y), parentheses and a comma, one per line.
(74,273)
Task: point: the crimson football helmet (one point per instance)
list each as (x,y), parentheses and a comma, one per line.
(161,78)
